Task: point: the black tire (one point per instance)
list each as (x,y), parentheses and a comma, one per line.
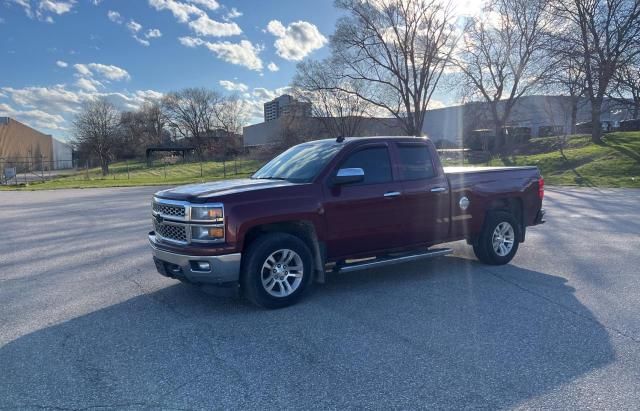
(484,248)
(251,279)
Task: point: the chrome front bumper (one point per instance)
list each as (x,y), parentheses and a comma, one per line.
(219,269)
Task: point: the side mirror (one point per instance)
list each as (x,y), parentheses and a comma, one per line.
(349,176)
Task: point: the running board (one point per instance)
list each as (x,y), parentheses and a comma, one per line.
(384,261)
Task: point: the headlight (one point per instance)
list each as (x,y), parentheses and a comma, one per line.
(206,234)
(207,213)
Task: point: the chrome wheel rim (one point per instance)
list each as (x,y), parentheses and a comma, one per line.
(503,239)
(281,273)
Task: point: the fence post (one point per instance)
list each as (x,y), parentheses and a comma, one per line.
(165,170)
(224,167)
(87,169)
(128,176)
(201,173)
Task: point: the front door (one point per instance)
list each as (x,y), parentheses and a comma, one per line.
(367,216)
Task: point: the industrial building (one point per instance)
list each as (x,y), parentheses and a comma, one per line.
(21,145)
(538,115)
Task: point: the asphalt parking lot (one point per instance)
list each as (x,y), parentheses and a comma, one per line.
(86,322)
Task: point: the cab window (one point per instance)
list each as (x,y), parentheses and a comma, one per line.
(415,162)
(374,161)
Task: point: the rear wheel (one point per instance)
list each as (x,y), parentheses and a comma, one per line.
(277,270)
(498,241)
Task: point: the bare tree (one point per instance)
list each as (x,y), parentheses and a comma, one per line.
(155,121)
(231,115)
(627,85)
(341,113)
(505,56)
(399,49)
(96,130)
(191,112)
(569,80)
(608,32)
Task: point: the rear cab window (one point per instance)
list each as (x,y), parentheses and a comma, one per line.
(415,162)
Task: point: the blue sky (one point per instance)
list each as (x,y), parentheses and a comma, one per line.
(55,53)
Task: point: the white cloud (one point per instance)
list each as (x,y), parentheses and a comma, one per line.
(62,64)
(134,26)
(243,53)
(82,69)
(231,86)
(153,34)
(26,5)
(191,41)
(56,99)
(44,8)
(205,26)
(210,4)
(56,7)
(273,66)
(297,40)
(114,16)
(1,20)
(233,14)
(36,118)
(141,41)
(264,94)
(88,84)
(52,108)
(181,11)
(109,72)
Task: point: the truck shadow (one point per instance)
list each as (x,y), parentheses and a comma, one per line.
(429,334)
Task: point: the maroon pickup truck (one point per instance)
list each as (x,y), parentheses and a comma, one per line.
(338,205)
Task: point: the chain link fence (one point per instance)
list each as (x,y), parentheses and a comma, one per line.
(168,169)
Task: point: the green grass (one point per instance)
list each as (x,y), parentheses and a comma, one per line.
(139,174)
(615,163)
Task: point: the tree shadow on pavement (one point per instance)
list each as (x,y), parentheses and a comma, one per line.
(439,334)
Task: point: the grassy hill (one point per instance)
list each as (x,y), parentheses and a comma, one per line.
(615,163)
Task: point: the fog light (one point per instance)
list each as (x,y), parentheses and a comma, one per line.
(200,266)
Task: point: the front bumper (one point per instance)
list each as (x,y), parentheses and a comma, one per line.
(219,269)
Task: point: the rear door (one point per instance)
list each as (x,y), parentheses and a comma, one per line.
(425,193)
(364,217)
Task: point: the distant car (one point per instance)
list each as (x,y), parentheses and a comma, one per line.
(340,205)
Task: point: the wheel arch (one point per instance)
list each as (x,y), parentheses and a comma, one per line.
(302,229)
(513,206)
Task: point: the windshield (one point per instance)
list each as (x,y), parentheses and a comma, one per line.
(299,164)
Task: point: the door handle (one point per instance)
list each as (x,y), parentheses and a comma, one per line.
(392,194)
(438,189)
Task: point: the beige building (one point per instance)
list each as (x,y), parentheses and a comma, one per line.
(22,144)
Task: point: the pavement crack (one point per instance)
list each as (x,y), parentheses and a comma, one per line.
(558,304)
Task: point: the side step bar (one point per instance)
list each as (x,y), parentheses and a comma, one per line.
(384,261)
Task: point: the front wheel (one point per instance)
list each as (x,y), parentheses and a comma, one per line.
(277,270)
(498,241)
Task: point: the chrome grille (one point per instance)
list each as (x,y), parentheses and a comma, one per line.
(169,210)
(171,232)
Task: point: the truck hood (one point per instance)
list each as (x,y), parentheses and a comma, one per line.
(204,191)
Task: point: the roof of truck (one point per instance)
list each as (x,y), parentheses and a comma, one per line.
(343,140)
